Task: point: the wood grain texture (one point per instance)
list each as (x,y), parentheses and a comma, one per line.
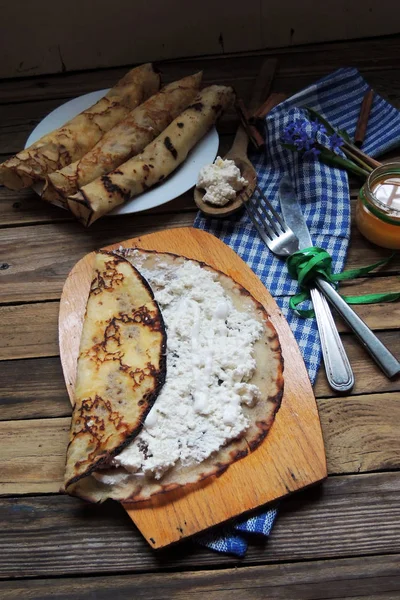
(39,257)
(32,388)
(48,252)
(53,536)
(372,54)
(32,453)
(35,388)
(21,118)
(54,52)
(29,330)
(360,435)
(355,515)
(368,377)
(291,457)
(25,207)
(372,578)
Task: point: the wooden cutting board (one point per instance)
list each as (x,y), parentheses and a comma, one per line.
(291,457)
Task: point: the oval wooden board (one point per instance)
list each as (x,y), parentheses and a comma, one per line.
(291,457)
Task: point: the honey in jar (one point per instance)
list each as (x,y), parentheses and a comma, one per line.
(378,207)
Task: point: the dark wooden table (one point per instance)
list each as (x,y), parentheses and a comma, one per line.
(339,540)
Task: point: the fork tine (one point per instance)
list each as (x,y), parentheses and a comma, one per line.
(253,204)
(252,208)
(271,208)
(269,230)
(273,231)
(266,217)
(263,233)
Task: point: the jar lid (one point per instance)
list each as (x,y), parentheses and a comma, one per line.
(379,176)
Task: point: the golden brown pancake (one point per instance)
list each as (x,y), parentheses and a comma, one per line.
(126,139)
(268,377)
(71,141)
(121,365)
(158,160)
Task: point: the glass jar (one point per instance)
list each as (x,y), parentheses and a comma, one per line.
(378,207)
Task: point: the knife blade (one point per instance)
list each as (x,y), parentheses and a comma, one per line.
(294,217)
(338,370)
(292,213)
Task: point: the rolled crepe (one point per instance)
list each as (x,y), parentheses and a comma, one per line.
(74,139)
(126,139)
(157,161)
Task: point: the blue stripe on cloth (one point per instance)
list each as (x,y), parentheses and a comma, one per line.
(324,196)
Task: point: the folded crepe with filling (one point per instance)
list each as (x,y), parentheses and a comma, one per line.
(126,139)
(115,483)
(121,365)
(158,160)
(74,139)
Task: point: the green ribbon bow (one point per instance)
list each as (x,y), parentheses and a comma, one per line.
(312,262)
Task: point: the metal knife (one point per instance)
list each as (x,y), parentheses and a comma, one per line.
(294,218)
(338,370)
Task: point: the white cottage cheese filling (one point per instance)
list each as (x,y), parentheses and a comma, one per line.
(209,360)
(221,181)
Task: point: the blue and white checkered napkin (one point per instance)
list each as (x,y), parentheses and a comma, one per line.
(324,196)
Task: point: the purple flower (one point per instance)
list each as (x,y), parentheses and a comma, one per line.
(302,134)
(308,137)
(312,153)
(335,142)
(317,128)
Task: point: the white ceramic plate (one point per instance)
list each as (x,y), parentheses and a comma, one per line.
(179,182)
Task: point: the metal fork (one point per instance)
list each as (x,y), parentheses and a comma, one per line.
(281,240)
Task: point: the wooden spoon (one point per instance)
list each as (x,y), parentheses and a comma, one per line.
(237,153)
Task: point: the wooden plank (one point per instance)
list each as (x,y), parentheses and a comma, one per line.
(30,330)
(25,207)
(368,377)
(54,52)
(372,577)
(35,388)
(354,516)
(20,118)
(46,253)
(361,433)
(33,452)
(316,58)
(359,436)
(40,257)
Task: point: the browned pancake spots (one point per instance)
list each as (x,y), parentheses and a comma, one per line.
(197,106)
(243,291)
(217,107)
(146,168)
(113,188)
(93,414)
(108,349)
(109,279)
(169,146)
(181,125)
